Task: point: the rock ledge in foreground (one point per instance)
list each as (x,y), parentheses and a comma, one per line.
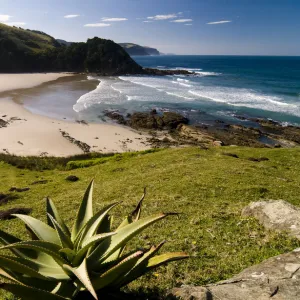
(277,278)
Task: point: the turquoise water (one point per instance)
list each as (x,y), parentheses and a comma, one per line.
(223,87)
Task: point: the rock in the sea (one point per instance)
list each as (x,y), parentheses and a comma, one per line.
(8,214)
(114,115)
(276,278)
(72,178)
(276,215)
(145,120)
(172,119)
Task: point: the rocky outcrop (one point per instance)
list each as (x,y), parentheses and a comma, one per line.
(275,215)
(159,72)
(276,278)
(149,120)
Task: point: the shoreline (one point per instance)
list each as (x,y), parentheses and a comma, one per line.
(25,133)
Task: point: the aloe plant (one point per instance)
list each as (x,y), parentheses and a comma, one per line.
(60,264)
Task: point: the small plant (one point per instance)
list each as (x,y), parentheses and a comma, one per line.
(59,264)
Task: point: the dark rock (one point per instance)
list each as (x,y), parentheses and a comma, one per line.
(145,121)
(159,72)
(4,198)
(114,115)
(72,178)
(172,120)
(40,182)
(3,123)
(19,190)
(259,159)
(153,111)
(82,122)
(7,214)
(83,146)
(230,154)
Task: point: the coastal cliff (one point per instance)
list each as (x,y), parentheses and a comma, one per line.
(134,49)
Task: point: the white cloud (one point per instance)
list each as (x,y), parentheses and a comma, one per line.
(218,22)
(180,13)
(4,18)
(15,23)
(148,21)
(97,25)
(188,24)
(182,20)
(114,19)
(163,17)
(71,16)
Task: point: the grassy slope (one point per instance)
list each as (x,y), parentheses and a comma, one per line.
(22,38)
(208,188)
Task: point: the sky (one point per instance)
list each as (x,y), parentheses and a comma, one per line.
(208,27)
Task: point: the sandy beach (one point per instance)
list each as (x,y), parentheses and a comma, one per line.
(10,82)
(26,133)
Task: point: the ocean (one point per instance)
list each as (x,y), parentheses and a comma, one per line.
(222,88)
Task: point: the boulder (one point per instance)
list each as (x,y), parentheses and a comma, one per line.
(145,121)
(8,214)
(277,278)
(172,119)
(72,178)
(275,215)
(114,115)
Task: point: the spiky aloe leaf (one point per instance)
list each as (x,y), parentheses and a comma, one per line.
(7,239)
(132,217)
(123,235)
(65,240)
(29,293)
(159,260)
(116,272)
(82,274)
(20,265)
(41,246)
(40,229)
(85,211)
(139,268)
(92,225)
(89,243)
(52,211)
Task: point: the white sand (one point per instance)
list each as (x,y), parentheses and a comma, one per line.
(31,134)
(10,82)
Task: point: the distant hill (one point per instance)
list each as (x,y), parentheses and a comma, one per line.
(134,49)
(24,50)
(63,42)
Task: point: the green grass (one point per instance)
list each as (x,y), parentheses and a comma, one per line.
(208,188)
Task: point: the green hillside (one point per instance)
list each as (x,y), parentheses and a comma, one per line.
(27,40)
(208,187)
(33,51)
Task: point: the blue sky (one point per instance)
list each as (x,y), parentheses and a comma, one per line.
(250,27)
